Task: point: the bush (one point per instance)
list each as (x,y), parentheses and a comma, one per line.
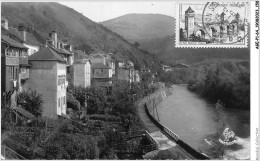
(108,118)
(71,146)
(72,102)
(31,101)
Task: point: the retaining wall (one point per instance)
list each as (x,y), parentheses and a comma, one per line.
(150,106)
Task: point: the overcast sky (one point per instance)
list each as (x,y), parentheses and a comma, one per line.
(99,11)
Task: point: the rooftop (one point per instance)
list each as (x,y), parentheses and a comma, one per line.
(78,54)
(189,10)
(46,54)
(100,66)
(12,42)
(61,50)
(24,112)
(98,55)
(30,38)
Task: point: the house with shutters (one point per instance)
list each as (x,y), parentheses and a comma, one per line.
(14,67)
(48,77)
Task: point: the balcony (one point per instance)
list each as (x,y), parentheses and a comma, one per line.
(23,60)
(12,61)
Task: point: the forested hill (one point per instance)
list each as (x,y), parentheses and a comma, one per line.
(156,33)
(142,27)
(45,17)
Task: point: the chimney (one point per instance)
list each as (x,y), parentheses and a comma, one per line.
(4,22)
(70,47)
(22,32)
(54,37)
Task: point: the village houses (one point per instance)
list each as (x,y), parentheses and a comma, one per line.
(43,63)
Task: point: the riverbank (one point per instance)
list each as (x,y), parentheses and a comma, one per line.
(175,152)
(190,116)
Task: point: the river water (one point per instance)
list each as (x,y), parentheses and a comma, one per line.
(189,116)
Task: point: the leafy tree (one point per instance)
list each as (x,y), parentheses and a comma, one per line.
(72,102)
(71,146)
(182,35)
(31,101)
(136,44)
(92,99)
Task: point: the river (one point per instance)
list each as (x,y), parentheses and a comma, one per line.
(189,116)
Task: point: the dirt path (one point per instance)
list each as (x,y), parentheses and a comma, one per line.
(148,124)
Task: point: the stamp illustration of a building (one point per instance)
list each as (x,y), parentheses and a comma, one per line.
(210,24)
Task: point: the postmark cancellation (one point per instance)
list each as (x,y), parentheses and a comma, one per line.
(212,24)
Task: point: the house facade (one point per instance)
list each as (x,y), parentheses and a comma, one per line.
(48,77)
(98,59)
(82,73)
(11,51)
(126,71)
(101,75)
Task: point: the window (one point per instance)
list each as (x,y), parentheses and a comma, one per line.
(59,102)
(7,52)
(64,100)
(13,72)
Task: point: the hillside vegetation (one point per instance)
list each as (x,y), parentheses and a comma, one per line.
(141,27)
(224,80)
(73,26)
(156,33)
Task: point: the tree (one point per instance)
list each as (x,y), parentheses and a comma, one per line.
(31,101)
(136,44)
(71,146)
(182,35)
(92,99)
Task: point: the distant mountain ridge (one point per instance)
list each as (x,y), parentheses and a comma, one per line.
(156,33)
(142,27)
(82,32)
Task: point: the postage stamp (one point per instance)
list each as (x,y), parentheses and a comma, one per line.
(212,24)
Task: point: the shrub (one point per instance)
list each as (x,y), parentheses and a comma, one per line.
(72,102)
(31,101)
